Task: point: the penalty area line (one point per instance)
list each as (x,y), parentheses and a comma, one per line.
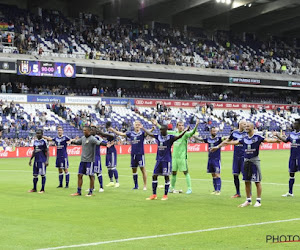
(169,235)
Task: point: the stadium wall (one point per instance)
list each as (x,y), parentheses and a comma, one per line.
(89,100)
(20,152)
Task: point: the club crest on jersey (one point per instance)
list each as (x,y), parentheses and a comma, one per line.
(135,138)
(211,145)
(294,141)
(249,146)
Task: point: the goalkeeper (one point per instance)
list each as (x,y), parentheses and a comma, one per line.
(179,156)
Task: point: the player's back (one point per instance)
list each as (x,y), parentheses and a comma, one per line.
(97,147)
(111,138)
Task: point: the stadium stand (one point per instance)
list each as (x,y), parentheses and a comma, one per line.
(88,37)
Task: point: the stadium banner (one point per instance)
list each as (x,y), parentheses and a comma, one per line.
(244,80)
(45,98)
(10,152)
(82,100)
(220,105)
(13,97)
(118,101)
(294,84)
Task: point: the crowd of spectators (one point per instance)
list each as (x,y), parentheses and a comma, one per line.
(158,44)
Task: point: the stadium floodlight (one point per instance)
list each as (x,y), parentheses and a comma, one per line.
(228,2)
(218,1)
(223,1)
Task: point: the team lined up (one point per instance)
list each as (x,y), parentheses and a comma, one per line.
(245,160)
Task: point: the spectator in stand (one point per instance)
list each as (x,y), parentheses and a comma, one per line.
(3,88)
(119,92)
(101,92)
(94,91)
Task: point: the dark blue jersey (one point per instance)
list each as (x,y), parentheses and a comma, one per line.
(251,145)
(294,139)
(40,148)
(137,142)
(213,142)
(238,149)
(164,145)
(61,143)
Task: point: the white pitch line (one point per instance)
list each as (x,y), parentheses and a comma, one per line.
(227,181)
(169,235)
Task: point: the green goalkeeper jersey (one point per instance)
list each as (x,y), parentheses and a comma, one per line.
(180,146)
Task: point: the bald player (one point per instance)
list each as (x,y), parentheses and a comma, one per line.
(252,172)
(238,156)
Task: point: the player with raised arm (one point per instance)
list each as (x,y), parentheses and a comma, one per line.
(62,162)
(179,155)
(294,161)
(111,157)
(252,172)
(214,158)
(163,165)
(41,160)
(137,138)
(86,166)
(238,156)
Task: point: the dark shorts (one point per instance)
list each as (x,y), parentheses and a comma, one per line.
(62,163)
(86,168)
(238,165)
(39,168)
(111,160)
(97,166)
(163,168)
(294,165)
(137,161)
(214,166)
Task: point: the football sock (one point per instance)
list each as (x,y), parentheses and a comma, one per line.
(100,179)
(43,182)
(215,183)
(167,185)
(237,184)
(218,184)
(154,186)
(60,178)
(135,179)
(111,175)
(173,181)
(291,184)
(79,190)
(249,200)
(35,180)
(258,200)
(116,174)
(67,179)
(188,181)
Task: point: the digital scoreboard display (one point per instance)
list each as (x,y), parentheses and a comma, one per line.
(54,69)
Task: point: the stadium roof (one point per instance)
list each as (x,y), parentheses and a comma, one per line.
(278,17)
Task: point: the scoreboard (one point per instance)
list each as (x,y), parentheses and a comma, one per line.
(54,69)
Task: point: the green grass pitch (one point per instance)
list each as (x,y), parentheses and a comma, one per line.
(34,221)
